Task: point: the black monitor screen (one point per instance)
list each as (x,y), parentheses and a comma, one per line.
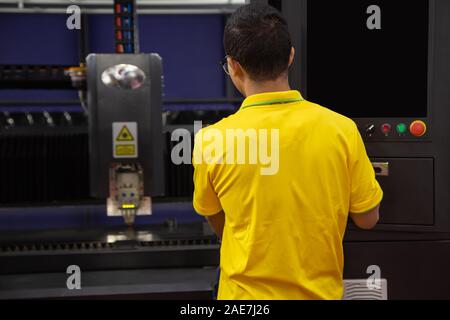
(361,71)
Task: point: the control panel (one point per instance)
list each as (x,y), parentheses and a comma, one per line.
(394,129)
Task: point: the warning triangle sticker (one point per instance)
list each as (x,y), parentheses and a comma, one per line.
(125,135)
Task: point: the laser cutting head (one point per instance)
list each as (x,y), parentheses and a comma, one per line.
(125,131)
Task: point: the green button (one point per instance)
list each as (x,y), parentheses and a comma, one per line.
(401,128)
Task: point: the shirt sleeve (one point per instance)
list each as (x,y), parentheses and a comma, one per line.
(365,192)
(205,201)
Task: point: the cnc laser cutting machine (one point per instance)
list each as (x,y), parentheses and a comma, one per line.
(396,89)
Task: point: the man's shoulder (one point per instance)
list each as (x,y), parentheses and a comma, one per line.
(223,124)
(333,115)
(327,117)
(214,129)
(334,119)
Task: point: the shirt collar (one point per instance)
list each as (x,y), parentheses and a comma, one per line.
(270,98)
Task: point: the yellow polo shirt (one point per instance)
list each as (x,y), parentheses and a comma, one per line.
(285,221)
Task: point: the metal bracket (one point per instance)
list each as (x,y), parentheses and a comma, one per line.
(381,168)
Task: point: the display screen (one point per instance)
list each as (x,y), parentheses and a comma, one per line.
(368,58)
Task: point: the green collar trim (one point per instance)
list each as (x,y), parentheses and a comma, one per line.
(271,102)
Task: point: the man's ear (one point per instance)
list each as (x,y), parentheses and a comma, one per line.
(292,56)
(235,67)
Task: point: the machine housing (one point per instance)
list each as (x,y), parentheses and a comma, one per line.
(125,131)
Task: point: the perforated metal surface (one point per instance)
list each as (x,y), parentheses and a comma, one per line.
(98,246)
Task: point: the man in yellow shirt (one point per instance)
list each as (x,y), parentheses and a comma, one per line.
(278,179)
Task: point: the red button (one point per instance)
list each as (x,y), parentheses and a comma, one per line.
(386,128)
(418,128)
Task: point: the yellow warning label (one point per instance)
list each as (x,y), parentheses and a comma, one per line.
(126,150)
(125,135)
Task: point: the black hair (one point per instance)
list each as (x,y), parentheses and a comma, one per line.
(257,36)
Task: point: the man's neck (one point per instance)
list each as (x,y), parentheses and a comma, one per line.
(277,85)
